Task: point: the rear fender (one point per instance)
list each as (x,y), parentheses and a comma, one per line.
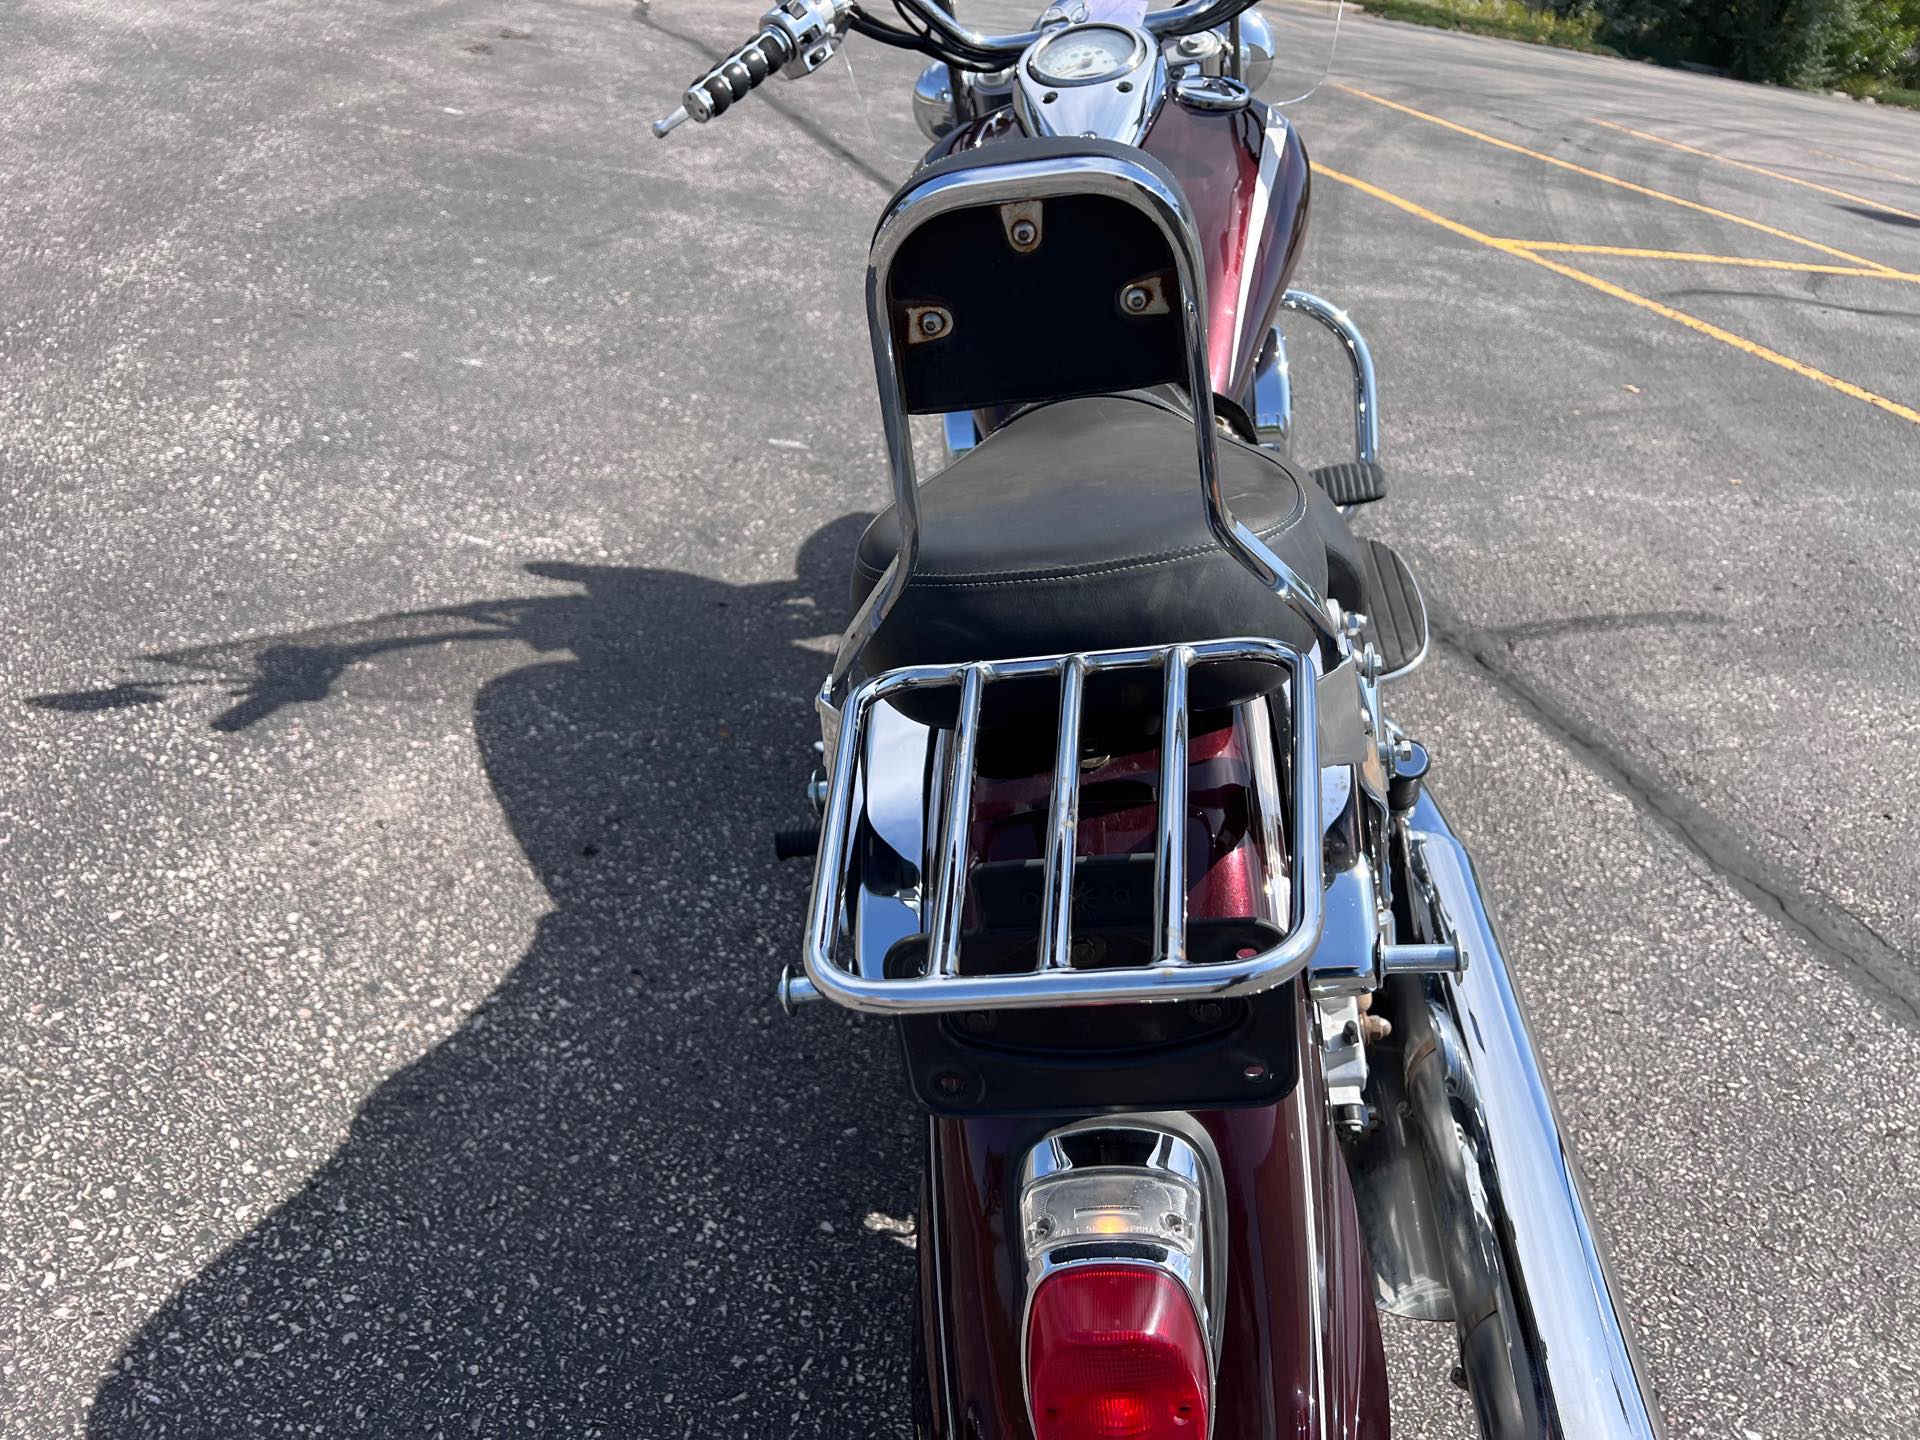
(1300,1348)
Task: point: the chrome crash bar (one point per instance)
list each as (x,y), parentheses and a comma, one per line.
(1366,407)
(859,983)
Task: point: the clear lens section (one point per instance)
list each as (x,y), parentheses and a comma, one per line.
(1085,1205)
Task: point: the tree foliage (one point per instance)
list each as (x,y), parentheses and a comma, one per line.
(1786,42)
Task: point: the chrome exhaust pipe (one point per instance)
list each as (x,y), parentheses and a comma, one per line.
(1545,1346)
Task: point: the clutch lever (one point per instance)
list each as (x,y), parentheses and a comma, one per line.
(796,38)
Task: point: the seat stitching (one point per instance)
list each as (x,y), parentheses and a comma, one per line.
(957,580)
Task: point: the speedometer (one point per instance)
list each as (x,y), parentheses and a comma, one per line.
(1085,55)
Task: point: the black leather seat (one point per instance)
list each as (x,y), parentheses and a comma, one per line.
(1080,526)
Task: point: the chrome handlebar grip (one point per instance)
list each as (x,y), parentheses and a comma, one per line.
(730,79)
(796,37)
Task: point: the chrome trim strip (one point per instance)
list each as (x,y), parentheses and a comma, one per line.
(1272,145)
(1506,1172)
(1271,394)
(937,1262)
(1266,789)
(1317,1258)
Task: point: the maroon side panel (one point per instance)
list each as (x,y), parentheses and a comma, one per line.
(1245,173)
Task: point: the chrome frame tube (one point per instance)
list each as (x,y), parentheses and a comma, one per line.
(1170,855)
(1063,822)
(1366,404)
(956,811)
(1271,394)
(1170,976)
(1505,1176)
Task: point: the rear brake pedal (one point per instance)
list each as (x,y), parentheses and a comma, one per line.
(1353,482)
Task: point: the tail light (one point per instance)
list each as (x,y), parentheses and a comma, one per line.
(1120,1220)
(1116,1352)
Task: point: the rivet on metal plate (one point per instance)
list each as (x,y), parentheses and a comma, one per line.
(1021,219)
(1146,296)
(928,322)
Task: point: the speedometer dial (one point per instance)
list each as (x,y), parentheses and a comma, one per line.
(1085,55)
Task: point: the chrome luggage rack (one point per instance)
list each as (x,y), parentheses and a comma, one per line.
(1033,175)
(860,983)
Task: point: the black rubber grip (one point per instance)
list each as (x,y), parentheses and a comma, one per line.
(1353,482)
(796,844)
(1396,611)
(730,79)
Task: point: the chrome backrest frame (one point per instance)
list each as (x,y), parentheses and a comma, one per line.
(1054,981)
(1116,178)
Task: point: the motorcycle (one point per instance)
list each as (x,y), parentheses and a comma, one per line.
(1216,1041)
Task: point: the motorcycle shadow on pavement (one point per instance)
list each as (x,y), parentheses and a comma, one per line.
(626,1196)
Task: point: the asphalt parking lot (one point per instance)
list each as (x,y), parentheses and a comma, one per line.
(426,497)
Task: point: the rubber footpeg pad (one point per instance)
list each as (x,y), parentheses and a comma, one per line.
(1355,482)
(1396,611)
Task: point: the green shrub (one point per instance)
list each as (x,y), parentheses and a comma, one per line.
(1878,41)
(1786,42)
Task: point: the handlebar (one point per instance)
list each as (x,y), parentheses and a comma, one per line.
(1180,20)
(797,37)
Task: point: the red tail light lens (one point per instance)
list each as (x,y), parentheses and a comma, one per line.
(1114,1352)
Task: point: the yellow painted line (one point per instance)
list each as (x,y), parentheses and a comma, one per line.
(1880,205)
(1634,252)
(1667,312)
(1866,167)
(1611,179)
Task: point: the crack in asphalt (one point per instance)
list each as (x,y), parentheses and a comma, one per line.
(1841,939)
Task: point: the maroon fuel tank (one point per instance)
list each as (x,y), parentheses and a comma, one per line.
(1245,174)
